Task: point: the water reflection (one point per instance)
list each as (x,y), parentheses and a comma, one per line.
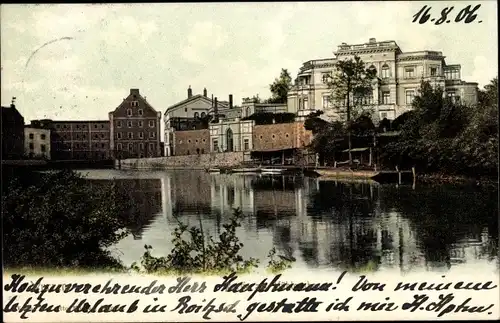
(335,225)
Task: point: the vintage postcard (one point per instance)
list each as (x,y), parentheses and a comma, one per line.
(238,161)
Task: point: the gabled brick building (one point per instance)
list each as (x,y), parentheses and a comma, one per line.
(135,128)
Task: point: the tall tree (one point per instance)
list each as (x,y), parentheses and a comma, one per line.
(351,86)
(280,87)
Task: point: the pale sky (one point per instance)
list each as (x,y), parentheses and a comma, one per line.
(236,48)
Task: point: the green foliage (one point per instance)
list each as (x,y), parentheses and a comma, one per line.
(58,219)
(277,266)
(442,136)
(280,87)
(193,252)
(351,86)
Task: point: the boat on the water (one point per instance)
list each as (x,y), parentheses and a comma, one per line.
(273,170)
(246,170)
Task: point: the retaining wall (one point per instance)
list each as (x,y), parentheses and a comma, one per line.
(202,161)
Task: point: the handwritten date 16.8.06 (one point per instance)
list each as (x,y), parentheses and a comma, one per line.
(466,15)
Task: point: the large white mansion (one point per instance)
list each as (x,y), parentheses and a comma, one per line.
(398,78)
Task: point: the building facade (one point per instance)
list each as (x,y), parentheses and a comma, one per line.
(192,114)
(75,139)
(135,128)
(250,107)
(191,142)
(399,75)
(12,133)
(231,135)
(37,142)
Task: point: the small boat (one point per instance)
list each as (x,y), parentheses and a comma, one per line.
(245,170)
(273,170)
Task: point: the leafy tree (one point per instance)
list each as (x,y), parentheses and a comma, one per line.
(280,87)
(58,219)
(441,135)
(351,86)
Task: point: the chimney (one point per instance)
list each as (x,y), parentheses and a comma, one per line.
(190,92)
(205,92)
(230,101)
(134,91)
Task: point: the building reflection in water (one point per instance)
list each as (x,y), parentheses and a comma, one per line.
(339,225)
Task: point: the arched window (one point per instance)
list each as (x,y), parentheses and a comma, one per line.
(203,114)
(229,140)
(196,115)
(248,111)
(372,68)
(385,71)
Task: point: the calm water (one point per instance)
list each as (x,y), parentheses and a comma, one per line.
(323,224)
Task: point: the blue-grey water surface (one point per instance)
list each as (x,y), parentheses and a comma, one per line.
(323,224)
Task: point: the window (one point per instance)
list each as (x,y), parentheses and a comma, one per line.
(141,146)
(246,144)
(409,96)
(300,104)
(134,103)
(130,147)
(433,71)
(130,135)
(385,71)
(152,135)
(326,101)
(140,123)
(151,123)
(151,146)
(196,115)
(129,124)
(216,144)
(77,145)
(102,126)
(103,146)
(372,68)
(383,115)
(118,124)
(141,135)
(32,136)
(58,126)
(84,136)
(386,97)
(453,97)
(141,112)
(325,77)
(102,136)
(119,146)
(203,114)
(202,151)
(77,136)
(129,112)
(306,104)
(409,72)
(452,74)
(32,146)
(95,126)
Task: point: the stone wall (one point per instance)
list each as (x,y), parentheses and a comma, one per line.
(191,142)
(229,159)
(280,136)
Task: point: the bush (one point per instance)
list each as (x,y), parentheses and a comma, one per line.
(58,219)
(193,252)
